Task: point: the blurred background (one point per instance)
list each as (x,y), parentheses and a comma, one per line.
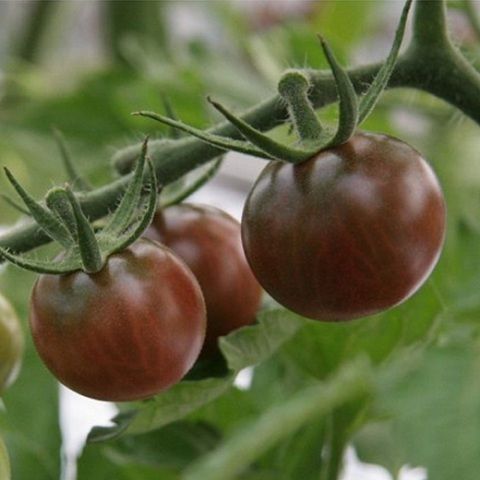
(83,66)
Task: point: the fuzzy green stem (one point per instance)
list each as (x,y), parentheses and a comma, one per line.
(429,24)
(293,87)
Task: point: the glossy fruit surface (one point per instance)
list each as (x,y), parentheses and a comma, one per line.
(125,333)
(209,242)
(11,344)
(351,232)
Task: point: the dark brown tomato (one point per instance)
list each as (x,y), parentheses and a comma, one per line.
(209,242)
(125,333)
(353,231)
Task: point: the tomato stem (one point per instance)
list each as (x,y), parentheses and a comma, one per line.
(293,87)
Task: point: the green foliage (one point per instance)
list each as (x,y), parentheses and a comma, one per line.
(29,422)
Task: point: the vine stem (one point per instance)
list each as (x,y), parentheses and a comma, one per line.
(430,63)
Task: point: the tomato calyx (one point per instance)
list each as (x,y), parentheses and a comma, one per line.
(62,218)
(294,88)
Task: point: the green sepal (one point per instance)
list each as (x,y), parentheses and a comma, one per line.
(293,87)
(271,147)
(14,204)
(57,201)
(170,112)
(186,189)
(348,104)
(215,140)
(70,263)
(90,253)
(47,221)
(122,216)
(135,231)
(74,177)
(369,100)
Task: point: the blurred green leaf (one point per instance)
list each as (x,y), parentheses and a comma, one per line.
(256,437)
(321,347)
(4,462)
(435,409)
(30,422)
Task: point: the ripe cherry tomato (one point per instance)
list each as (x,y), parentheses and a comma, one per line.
(209,242)
(125,333)
(11,344)
(353,231)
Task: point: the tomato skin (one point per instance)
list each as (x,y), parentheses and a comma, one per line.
(209,242)
(351,232)
(11,344)
(125,333)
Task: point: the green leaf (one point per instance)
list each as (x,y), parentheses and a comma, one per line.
(375,443)
(434,401)
(174,404)
(320,347)
(172,448)
(254,344)
(256,437)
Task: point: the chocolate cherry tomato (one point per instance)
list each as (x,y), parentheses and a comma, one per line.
(209,242)
(125,333)
(11,344)
(351,232)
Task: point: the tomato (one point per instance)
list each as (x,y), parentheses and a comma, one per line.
(125,333)
(11,344)
(350,232)
(209,242)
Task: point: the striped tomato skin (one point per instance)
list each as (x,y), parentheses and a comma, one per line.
(125,333)
(351,232)
(208,240)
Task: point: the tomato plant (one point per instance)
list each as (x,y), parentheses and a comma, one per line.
(124,333)
(340,224)
(353,231)
(11,344)
(209,242)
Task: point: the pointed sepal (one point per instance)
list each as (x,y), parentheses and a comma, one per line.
(369,100)
(90,253)
(348,104)
(136,229)
(68,264)
(74,177)
(47,221)
(268,145)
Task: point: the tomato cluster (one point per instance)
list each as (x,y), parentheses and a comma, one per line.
(348,233)
(351,232)
(138,325)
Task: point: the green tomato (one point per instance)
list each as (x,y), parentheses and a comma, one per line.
(11,344)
